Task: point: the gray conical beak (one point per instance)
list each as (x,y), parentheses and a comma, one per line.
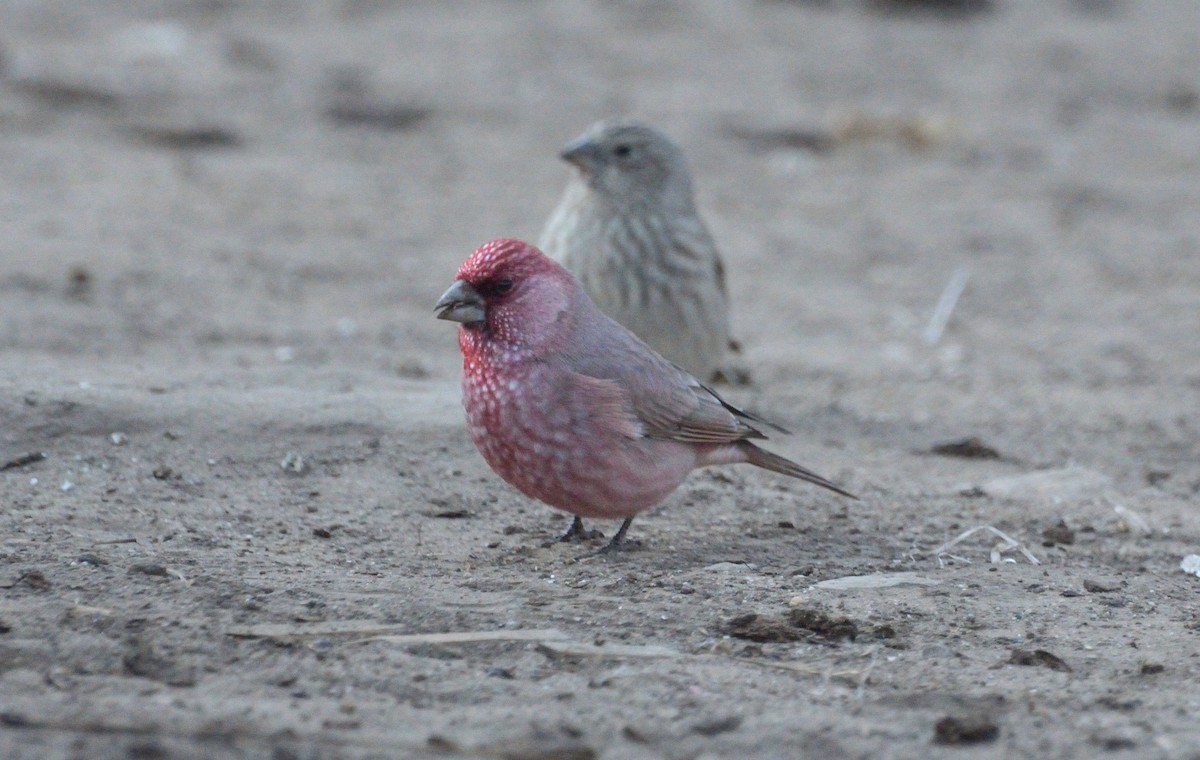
(460,303)
(585,154)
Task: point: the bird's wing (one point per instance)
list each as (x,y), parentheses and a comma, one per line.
(686,411)
(606,404)
(691,414)
(665,400)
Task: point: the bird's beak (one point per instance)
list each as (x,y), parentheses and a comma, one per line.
(585,154)
(460,303)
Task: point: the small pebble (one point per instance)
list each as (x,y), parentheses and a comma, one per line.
(293,462)
(976,729)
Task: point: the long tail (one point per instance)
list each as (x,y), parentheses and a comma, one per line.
(775,463)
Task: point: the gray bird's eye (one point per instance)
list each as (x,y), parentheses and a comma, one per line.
(622,150)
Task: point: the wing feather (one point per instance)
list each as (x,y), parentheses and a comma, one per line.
(666,401)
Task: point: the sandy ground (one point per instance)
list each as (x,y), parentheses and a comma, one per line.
(225,225)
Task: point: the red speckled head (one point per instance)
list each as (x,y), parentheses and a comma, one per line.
(505,258)
(523,290)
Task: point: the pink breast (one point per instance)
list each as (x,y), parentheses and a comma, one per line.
(548,446)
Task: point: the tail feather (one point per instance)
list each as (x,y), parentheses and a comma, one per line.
(775,463)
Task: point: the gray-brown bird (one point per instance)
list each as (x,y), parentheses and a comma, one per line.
(628,229)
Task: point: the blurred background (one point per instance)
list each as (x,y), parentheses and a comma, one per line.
(220,183)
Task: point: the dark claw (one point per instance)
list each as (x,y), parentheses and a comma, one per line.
(615,545)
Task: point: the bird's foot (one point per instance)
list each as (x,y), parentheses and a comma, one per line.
(576,533)
(731,375)
(618,543)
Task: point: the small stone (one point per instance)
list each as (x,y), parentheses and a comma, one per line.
(972,729)
(79,281)
(1190,564)
(1156,477)
(1113,742)
(439,743)
(716,726)
(1059,533)
(321,645)
(729,567)
(33,579)
(966,448)
(294,463)
(1038,658)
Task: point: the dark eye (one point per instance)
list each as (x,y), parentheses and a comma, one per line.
(499,287)
(622,150)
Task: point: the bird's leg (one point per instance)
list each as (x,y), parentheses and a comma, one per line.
(616,544)
(731,375)
(619,538)
(577,533)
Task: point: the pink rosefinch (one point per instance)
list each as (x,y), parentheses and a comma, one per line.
(572,408)
(627,227)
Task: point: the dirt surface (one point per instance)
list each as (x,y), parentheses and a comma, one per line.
(226,223)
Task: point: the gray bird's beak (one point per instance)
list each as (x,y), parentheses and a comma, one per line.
(460,303)
(584,154)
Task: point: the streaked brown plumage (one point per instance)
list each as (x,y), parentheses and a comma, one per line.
(627,228)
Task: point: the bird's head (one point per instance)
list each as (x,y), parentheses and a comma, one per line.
(510,291)
(630,164)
